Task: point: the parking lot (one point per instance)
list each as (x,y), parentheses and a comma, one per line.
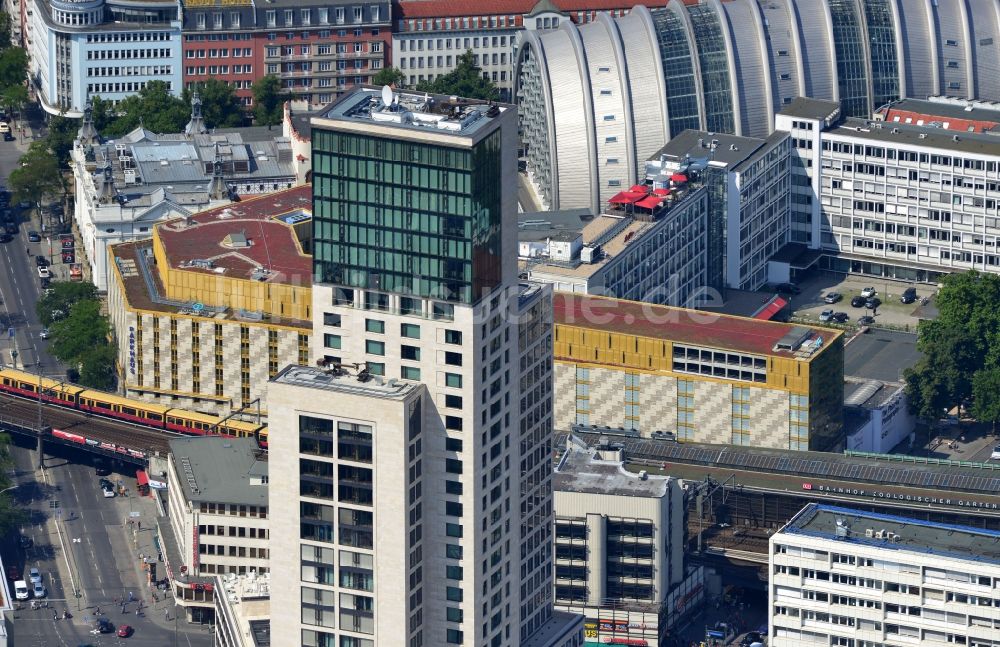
(891,312)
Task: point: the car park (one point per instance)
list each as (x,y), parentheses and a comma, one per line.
(873,303)
(841,317)
(909,295)
(832,297)
(826,315)
(866,320)
(34,237)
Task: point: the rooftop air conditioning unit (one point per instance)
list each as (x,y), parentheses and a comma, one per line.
(880,534)
(869,533)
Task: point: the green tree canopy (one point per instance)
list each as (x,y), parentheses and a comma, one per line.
(154,107)
(269,101)
(38,175)
(220,106)
(962,342)
(62,297)
(11,515)
(62,132)
(83,330)
(466,80)
(98,370)
(14,97)
(986,396)
(389,76)
(13,67)
(5,30)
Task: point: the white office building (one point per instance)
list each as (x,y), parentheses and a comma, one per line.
(106,48)
(846,577)
(440,364)
(890,199)
(242,610)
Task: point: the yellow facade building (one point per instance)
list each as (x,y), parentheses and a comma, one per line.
(706,377)
(215,304)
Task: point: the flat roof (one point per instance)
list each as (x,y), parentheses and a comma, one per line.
(807,108)
(540,225)
(730,150)
(868,394)
(914,535)
(220,469)
(881,355)
(788,469)
(416,111)
(582,469)
(243,238)
(964,110)
(923,136)
(374,387)
(684,325)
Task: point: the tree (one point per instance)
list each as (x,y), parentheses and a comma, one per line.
(5,30)
(11,515)
(38,175)
(466,80)
(63,295)
(986,396)
(269,101)
(62,132)
(103,113)
(14,97)
(220,107)
(98,371)
(389,76)
(83,330)
(13,67)
(962,342)
(154,107)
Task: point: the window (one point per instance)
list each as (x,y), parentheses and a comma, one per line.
(453,444)
(411,353)
(453,401)
(453,422)
(376,368)
(453,530)
(331,341)
(452,336)
(410,373)
(453,359)
(454,637)
(454,615)
(373,347)
(410,331)
(453,466)
(331,319)
(375,326)
(454,593)
(453,380)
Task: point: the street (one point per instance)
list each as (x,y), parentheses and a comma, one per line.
(80,542)
(20,286)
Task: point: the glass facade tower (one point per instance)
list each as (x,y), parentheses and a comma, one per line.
(407,217)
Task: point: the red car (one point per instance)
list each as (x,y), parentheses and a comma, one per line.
(124,631)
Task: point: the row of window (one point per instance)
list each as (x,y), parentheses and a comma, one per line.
(115,54)
(462,44)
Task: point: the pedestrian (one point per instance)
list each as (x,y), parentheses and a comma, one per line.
(137,612)
(130,596)
(138,525)
(166,613)
(116,602)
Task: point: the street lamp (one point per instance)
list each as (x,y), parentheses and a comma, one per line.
(10,488)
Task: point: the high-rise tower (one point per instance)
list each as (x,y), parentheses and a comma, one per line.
(414,240)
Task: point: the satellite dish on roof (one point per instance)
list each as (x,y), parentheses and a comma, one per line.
(386,95)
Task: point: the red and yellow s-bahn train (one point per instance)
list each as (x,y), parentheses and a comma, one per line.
(157,416)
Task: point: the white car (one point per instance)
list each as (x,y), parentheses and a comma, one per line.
(826,315)
(995,456)
(34,576)
(39,591)
(868,292)
(21,590)
(108,493)
(43,273)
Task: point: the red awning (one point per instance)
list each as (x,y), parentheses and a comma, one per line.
(661,192)
(639,188)
(141,478)
(650,202)
(678,177)
(772,308)
(626,197)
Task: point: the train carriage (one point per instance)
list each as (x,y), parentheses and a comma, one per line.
(26,384)
(118,407)
(191,422)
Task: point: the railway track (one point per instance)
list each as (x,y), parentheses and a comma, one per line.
(25,413)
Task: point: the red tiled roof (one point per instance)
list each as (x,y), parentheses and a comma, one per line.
(895,115)
(770,309)
(274,245)
(681,325)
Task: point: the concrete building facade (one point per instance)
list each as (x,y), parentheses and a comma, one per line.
(620,87)
(704,377)
(242,610)
(840,576)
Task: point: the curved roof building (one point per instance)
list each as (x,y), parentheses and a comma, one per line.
(598,99)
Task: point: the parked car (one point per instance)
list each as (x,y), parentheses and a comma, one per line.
(664,435)
(8,136)
(10,227)
(34,576)
(43,273)
(826,315)
(788,288)
(109,493)
(832,297)
(995,456)
(39,591)
(873,303)
(868,292)
(44,334)
(21,590)
(105,483)
(909,295)
(5,237)
(841,317)
(41,261)
(13,574)
(25,542)
(34,237)
(866,320)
